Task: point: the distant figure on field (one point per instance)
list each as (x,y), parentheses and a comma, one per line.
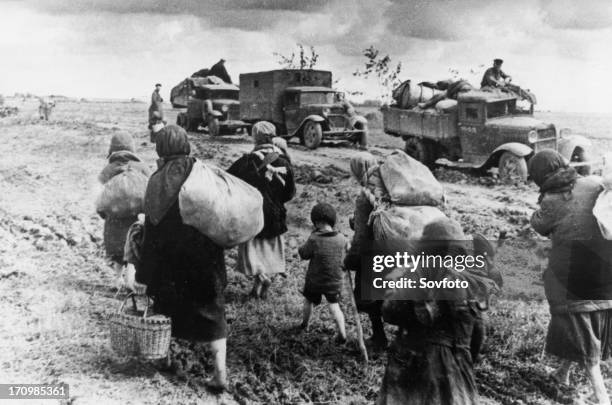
(495,76)
(325,248)
(218,69)
(45,108)
(156,105)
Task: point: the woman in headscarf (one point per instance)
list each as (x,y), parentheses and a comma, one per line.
(578,279)
(121,158)
(430,361)
(364,169)
(269,170)
(183,270)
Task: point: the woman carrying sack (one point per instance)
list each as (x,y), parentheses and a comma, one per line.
(121,158)
(578,279)
(362,165)
(183,270)
(268,169)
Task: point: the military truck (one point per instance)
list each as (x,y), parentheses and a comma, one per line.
(214,106)
(301,103)
(485,130)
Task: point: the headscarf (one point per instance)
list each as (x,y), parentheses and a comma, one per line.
(551,173)
(174,166)
(360,164)
(263,132)
(121,141)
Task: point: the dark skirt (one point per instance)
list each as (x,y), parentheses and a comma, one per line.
(185,274)
(584,337)
(436,374)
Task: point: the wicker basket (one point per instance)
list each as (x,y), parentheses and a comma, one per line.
(133,333)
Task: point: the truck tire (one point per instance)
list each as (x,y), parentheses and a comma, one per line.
(362,137)
(312,134)
(190,124)
(421,150)
(512,168)
(213,126)
(580,155)
(180,120)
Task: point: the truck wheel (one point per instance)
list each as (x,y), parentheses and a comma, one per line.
(312,134)
(580,155)
(180,120)
(362,137)
(213,126)
(420,150)
(512,168)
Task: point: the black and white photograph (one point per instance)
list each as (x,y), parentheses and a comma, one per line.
(353,202)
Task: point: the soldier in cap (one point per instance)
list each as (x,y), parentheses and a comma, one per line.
(495,76)
(156,106)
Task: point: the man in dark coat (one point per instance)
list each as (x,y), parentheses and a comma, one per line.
(218,69)
(495,76)
(156,105)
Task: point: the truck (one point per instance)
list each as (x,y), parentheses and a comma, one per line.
(484,130)
(214,106)
(301,103)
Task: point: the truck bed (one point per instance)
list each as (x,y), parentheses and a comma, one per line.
(427,124)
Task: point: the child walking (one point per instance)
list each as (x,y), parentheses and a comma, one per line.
(325,248)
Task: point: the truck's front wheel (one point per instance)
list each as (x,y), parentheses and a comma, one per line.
(312,134)
(421,150)
(213,126)
(512,168)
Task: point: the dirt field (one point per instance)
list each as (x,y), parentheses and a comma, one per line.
(56,288)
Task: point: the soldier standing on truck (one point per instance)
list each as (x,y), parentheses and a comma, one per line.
(494,76)
(156,105)
(219,70)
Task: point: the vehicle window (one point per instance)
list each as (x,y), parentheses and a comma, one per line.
(317,98)
(498,109)
(292,98)
(227,94)
(471,113)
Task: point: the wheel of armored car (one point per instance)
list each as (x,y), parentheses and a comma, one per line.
(181,120)
(213,126)
(512,168)
(420,149)
(312,134)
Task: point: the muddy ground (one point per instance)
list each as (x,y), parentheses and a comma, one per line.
(56,289)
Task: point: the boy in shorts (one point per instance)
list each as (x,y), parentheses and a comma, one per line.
(325,248)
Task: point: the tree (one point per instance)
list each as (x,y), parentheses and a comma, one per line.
(304,61)
(381,68)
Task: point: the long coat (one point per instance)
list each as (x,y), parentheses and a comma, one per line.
(185,274)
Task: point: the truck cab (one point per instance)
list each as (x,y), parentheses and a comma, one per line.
(301,103)
(484,131)
(215,106)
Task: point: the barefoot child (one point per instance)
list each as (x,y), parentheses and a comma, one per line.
(325,248)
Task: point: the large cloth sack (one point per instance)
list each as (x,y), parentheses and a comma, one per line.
(123,195)
(446,105)
(408,94)
(401,222)
(221,206)
(409,182)
(602,210)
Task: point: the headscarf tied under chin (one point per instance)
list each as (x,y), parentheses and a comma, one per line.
(551,173)
(174,166)
(361,164)
(263,132)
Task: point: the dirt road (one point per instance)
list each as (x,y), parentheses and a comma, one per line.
(56,288)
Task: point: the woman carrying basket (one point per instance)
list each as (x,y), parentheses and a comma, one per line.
(183,270)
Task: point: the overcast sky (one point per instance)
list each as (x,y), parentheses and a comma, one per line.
(560,49)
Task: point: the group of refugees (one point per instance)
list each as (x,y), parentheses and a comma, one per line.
(438,340)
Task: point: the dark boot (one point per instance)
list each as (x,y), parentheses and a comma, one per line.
(378,340)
